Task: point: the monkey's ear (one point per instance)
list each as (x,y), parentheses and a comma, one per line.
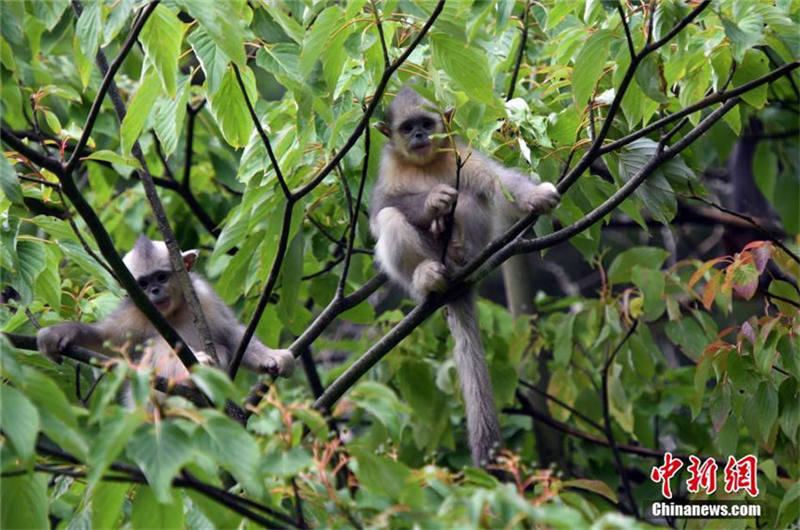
(384,129)
(189,257)
(448,114)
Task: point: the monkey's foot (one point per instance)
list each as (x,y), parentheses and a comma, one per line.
(429,276)
(280,363)
(543,199)
(204,358)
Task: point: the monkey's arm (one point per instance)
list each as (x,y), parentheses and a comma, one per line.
(526,196)
(123,323)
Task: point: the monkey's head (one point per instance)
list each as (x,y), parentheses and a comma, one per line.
(410,121)
(149,264)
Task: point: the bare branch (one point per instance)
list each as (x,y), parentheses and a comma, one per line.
(628,37)
(523,41)
(612,443)
(262,134)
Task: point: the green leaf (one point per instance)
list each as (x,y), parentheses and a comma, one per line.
(89,28)
(212,59)
(385,476)
(150,512)
(115,435)
(589,65)
(621,269)
(789,418)
(466,65)
(287,463)
(230,110)
(744,34)
(316,38)
(221,20)
(753,65)
(651,283)
(139,109)
(110,156)
(106,503)
(170,116)
(9,182)
(161,39)
(49,12)
(215,383)
(761,411)
(231,445)
(31,261)
(161,450)
(562,348)
(288,24)
(380,401)
(656,192)
(19,421)
(315,422)
(651,80)
(595,486)
(23,501)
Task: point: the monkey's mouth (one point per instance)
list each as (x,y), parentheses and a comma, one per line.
(162,305)
(420,147)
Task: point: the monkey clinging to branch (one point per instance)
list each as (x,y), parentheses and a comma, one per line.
(410,217)
(149,263)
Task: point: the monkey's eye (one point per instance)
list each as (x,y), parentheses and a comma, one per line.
(427,123)
(161,277)
(406,128)
(142,283)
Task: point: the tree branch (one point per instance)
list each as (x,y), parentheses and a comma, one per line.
(612,443)
(520,52)
(373,104)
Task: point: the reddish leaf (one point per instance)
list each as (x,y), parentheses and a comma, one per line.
(710,290)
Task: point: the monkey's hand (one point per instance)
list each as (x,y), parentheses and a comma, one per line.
(440,200)
(279,363)
(52,340)
(542,199)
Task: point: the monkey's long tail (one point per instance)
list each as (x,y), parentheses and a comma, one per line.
(476,385)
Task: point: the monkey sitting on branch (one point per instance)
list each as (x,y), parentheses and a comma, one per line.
(127,329)
(433,209)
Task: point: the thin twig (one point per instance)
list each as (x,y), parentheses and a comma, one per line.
(612,443)
(264,138)
(628,37)
(348,253)
(523,41)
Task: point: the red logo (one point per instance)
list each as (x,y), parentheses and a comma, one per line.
(741,475)
(664,473)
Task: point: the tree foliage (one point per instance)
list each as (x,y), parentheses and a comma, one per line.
(245,129)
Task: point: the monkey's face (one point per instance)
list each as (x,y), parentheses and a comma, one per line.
(160,289)
(413,137)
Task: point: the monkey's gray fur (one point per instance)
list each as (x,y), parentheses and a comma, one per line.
(410,203)
(127,331)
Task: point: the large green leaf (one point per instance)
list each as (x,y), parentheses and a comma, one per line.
(23,501)
(139,109)
(221,21)
(316,38)
(621,269)
(230,109)
(466,64)
(161,450)
(212,58)
(89,28)
(234,448)
(9,183)
(589,65)
(161,39)
(149,511)
(19,421)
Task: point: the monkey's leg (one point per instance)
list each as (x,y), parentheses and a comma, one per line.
(473,374)
(405,256)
